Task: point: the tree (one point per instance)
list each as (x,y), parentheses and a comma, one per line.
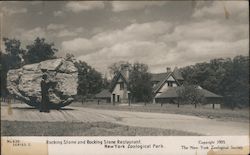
(106,83)
(224,76)
(190,94)
(117,66)
(89,80)
(140,84)
(11,59)
(40,51)
(236,82)
(70,57)
(14,53)
(3,71)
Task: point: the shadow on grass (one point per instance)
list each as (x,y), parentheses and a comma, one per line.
(65,109)
(34,108)
(25,108)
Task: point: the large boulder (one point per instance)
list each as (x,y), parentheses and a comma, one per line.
(24,83)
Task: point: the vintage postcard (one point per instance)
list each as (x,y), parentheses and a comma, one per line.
(124,77)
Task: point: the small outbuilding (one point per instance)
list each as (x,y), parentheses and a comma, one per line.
(104,95)
(171,96)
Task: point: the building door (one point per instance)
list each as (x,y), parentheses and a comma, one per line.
(113,99)
(118,98)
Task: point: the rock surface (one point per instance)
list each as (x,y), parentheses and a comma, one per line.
(24,83)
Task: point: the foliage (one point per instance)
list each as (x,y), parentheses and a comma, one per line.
(224,76)
(15,57)
(139,83)
(190,94)
(139,80)
(89,80)
(69,57)
(14,53)
(3,71)
(11,59)
(116,67)
(106,83)
(40,51)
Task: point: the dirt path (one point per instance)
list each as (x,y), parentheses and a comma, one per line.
(21,112)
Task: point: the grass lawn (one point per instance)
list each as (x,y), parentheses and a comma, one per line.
(241,115)
(20,128)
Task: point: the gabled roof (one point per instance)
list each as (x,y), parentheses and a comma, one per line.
(172,93)
(209,94)
(160,84)
(158,77)
(169,93)
(103,94)
(116,78)
(177,74)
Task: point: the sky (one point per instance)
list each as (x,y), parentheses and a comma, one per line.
(158,33)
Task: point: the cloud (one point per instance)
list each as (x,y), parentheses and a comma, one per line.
(30,35)
(36,2)
(217,10)
(118,6)
(161,44)
(210,30)
(79,45)
(198,51)
(70,33)
(61,30)
(136,42)
(13,10)
(140,32)
(58,13)
(40,13)
(144,31)
(55,26)
(83,6)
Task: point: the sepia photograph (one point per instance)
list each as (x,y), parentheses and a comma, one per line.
(135,69)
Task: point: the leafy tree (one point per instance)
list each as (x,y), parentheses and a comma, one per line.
(11,59)
(236,82)
(106,83)
(139,83)
(224,76)
(190,94)
(89,80)
(117,66)
(14,53)
(40,51)
(70,57)
(3,71)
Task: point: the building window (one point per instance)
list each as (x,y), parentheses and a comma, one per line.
(121,86)
(170,84)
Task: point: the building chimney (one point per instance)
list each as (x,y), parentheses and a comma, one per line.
(168,69)
(125,70)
